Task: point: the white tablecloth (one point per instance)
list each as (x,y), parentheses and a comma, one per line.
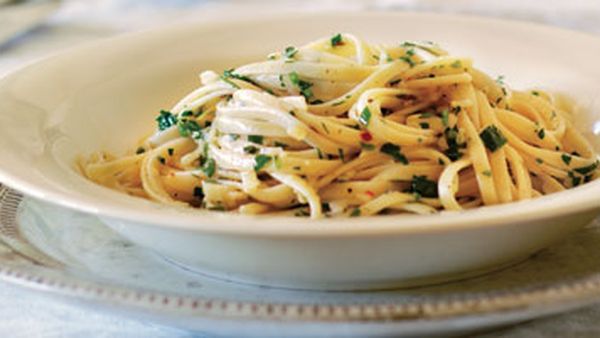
(26,314)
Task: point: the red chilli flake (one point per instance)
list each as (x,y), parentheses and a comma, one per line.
(370,193)
(366,136)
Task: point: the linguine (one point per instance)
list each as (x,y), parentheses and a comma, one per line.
(342,127)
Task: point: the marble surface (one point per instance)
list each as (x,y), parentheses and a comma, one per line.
(26,314)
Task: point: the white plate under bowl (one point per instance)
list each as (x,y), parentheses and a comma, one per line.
(105,96)
(74,257)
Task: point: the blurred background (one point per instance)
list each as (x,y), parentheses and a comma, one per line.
(31,29)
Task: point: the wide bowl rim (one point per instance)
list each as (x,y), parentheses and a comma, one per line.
(573,201)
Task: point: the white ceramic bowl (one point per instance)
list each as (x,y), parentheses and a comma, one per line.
(105,95)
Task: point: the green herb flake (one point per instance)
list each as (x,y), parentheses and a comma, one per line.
(209,167)
(408,57)
(189,128)
(187,113)
(566,158)
(170,151)
(541,133)
(492,138)
(281,81)
(355,212)
(575,180)
(535,93)
(336,40)
(250,149)
(487,173)
(165,120)
(539,160)
(325,127)
(445,121)
(304,86)
(198,193)
(227,74)
(319,153)
(140,150)
(424,125)
(453,151)
(367,146)
(423,186)
(325,207)
(290,52)
(587,169)
(260,161)
(258,139)
(456,64)
(161,160)
(394,151)
(365,116)
(279,144)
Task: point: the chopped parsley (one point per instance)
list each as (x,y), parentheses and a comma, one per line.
(161,160)
(230,74)
(393,151)
(336,40)
(575,180)
(367,146)
(539,160)
(171,151)
(365,116)
(304,86)
(209,167)
(500,80)
(250,149)
(445,118)
(140,150)
(456,64)
(453,151)
(487,173)
(423,186)
(189,128)
(187,113)
(279,144)
(587,169)
(258,139)
(198,193)
(355,212)
(566,158)
(260,161)
(290,52)
(535,93)
(424,125)
(541,133)
(407,57)
(325,207)
(165,120)
(492,138)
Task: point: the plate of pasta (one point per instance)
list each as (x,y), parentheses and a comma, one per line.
(298,159)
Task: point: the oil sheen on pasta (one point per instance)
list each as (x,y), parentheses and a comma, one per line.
(343,127)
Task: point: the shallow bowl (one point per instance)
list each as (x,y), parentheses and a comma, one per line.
(105,95)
